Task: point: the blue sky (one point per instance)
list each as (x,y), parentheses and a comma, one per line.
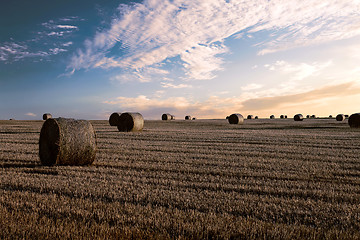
(209,58)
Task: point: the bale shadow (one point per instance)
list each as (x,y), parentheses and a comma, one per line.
(18,165)
(44,171)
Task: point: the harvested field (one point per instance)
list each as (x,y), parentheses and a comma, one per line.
(268,179)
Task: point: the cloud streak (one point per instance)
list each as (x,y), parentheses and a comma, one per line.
(195,31)
(215,107)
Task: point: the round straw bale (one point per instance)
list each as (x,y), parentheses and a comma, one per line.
(188,117)
(256,117)
(194,118)
(313,116)
(166,117)
(285,116)
(114,118)
(130,122)
(330,116)
(354,120)
(307,116)
(282,116)
(298,117)
(272,117)
(46,116)
(66,141)
(172,117)
(250,117)
(340,117)
(236,118)
(346,116)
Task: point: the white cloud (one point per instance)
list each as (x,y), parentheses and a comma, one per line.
(30,114)
(157,30)
(55,51)
(299,71)
(170,85)
(251,86)
(67,44)
(66,27)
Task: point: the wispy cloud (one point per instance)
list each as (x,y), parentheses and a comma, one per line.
(30,114)
(170,85)
(11,51)
(299,71)
(52,32)
(251,86)
(156,30)
(140,75)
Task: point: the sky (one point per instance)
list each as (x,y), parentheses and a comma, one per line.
(205,58)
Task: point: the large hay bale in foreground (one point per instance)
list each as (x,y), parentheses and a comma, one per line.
(298,117)
(188,117)
(340,117)
(130,122)
(114,118)
(272,117)
(166,117)
(46,116)
(250,117)
(354,120)
(236,118)
(67,142)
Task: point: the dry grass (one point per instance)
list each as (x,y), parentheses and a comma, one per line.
(266,179)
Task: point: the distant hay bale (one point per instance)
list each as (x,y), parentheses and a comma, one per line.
(188,117)
(12,119)
(166,117)
(236,118)
(172,117)
(130,122)
(340,117)
(307,116)
(330,116)
(66,141)
(250,117)
(114,118)
(354,120)
(346,116)
(46,116)
(282,116)
(194,118)
(298,117)
(313,116)
(285,116)
(272,117)
(256,117)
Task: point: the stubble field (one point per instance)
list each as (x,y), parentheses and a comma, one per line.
(203,179)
